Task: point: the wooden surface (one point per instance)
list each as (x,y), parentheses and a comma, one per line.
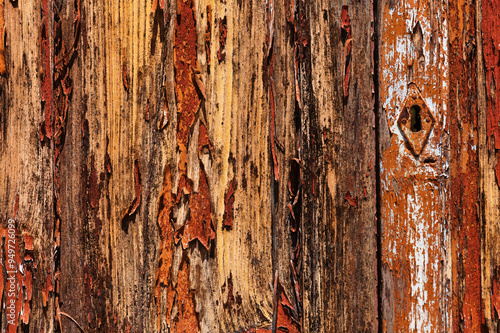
(415,248)
(241,166)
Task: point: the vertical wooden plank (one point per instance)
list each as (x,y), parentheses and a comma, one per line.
(26,174)
(415,238)
(489,142)
(338,156)
(464,169)
(110,165)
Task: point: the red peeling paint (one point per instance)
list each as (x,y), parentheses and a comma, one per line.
(188,100)
(190,91)
(203,140)
(491,51)
(495,294)
(353,201)
(284,319)
(221,54)
(491,47)
(187,319)
(3,68)
(199,226)
(28,242)
(46,289)
(46,56)
(347,42)
(290,11)
(227,220)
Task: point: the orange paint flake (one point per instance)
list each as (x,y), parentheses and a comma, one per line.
(491,48)
(199,226)
(353,201)
(28,242)
(187,319)
(188,100)
(190,91)
(163,272)
(203,141)
(46,289)
(347,42)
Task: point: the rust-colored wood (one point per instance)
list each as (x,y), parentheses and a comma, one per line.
(464,170)
(415,234)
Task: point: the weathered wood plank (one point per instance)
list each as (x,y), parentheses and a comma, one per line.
(464,169)
(26,176)
(415,238)
(338,154)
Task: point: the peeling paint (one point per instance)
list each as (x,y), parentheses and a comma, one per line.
(204,145)
(353,201)
(3,68)
(173,294)
(199,226)
(56,91)
(491,51)
(347,42)
(188,100)
(495,295)
(415,255)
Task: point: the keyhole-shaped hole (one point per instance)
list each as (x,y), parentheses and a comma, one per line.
(416,121)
